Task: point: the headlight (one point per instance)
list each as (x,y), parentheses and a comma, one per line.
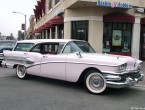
(139,66)
(122,67)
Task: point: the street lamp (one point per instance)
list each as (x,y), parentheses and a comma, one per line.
(25,35)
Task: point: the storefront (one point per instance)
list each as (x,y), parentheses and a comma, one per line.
(110,27)
(142,41)
(117,33)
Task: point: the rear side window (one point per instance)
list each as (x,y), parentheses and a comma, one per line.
(23,46)
(48,48)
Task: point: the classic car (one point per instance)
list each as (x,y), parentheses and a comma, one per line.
(73,61)
(6,45)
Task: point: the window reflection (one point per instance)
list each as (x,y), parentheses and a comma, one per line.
(117,37)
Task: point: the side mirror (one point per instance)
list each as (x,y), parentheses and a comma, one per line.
(79,54)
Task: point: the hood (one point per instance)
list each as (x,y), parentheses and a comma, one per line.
(112,60)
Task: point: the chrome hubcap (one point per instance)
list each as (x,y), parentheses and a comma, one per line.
(21,70)
(96,82)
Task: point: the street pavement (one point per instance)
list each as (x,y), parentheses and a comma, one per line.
(38,93)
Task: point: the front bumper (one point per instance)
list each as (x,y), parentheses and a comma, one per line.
(124,79)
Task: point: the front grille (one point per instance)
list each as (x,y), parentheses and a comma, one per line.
(132,75)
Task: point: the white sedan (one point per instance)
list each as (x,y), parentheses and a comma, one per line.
(73,60)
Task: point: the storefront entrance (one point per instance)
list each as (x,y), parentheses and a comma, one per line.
(80,30)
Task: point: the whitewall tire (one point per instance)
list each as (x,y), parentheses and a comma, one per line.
(21,72)
(95,82)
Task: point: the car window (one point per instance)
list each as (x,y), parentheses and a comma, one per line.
(36,49)
(78,46)
(23,46)
(46,48)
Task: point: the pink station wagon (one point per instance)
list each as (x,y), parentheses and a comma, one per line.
(73,61)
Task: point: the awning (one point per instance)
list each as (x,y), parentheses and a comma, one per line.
(142,20)
(57,20)
(119,17)
(54,21)
(50,23)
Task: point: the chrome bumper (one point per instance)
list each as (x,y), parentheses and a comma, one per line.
(114,81)
(3,64)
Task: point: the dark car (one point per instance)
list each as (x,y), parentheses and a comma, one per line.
(6,45)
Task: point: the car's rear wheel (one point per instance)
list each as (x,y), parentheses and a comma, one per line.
(95,82)
(21,72)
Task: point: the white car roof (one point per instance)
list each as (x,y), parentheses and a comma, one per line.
(35,41)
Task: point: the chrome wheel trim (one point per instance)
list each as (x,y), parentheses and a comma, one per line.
(21,71)
(96,82)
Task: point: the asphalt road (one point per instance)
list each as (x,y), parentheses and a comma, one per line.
(38,93)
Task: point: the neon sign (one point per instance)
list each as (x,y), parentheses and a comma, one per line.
(113,4)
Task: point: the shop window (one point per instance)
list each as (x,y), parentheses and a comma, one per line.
(48,34)
(117,37)
(56,1)
(61,31)
(80,30)
(53,32)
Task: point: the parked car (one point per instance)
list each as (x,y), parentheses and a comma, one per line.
(6,45)
(73,60)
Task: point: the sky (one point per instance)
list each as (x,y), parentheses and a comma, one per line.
(11,22)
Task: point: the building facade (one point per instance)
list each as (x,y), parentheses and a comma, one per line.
(110,27)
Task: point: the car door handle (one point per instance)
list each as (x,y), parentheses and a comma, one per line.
(44,56)
(25,53)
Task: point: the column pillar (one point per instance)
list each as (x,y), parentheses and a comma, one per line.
(46,34)
(43,36)
(67,30)
(50,34)
(136,37)
(95,37)
(56,32)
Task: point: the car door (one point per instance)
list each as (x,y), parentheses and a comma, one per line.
(30,59)
(33,60)
(52,63)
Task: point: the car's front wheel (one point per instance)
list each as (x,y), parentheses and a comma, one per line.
(95,82)
(21,72)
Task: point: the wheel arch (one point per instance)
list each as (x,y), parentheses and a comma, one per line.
(15,66)
(81,78)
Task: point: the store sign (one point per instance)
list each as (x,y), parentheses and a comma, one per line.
(140,10)
(113,4)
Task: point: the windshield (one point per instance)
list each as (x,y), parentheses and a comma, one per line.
(23,46)
(78,46)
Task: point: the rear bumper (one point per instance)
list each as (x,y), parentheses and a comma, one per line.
(3,64)
(114,81)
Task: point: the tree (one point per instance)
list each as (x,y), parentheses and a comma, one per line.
(20,35)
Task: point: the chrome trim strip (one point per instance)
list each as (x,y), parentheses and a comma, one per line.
(24,60)
(91,64)
(116,73)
